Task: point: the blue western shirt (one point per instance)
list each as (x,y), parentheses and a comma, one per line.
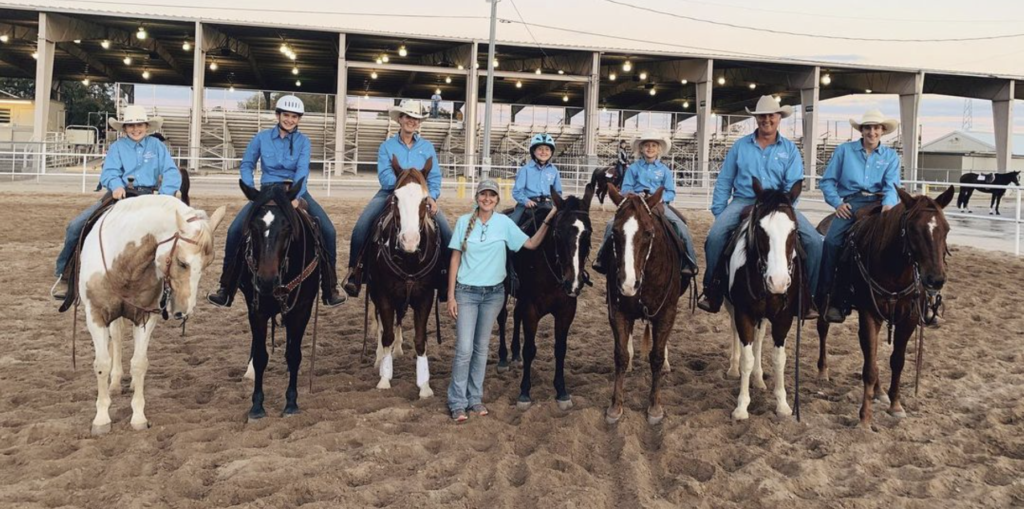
(281,159)
(643,176)
(146,161)
(483,261)
(851,170)
(533,181)
(415,157)
(777,166)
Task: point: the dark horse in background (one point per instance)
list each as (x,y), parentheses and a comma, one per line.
(897,267)
(994,179)
(550,280)
(643,283)
(404,259)
(281,253)
(765,277)
(604,176)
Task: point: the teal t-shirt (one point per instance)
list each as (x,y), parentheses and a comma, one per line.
(483,261)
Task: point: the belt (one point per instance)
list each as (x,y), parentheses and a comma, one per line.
(862,194)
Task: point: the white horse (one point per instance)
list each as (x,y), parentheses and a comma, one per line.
(143,259)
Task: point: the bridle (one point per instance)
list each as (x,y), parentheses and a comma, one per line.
(285,295)
(761,261)
(557,269)
(643,268)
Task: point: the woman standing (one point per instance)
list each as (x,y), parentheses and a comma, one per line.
(476,292)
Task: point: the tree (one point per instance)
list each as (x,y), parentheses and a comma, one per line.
(18,87)
(80,100)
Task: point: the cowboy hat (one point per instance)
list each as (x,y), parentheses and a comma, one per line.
(767,105)
(875,117)
(652,135)
(135,114)
(407,107)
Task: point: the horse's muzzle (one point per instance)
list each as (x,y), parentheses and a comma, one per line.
(932,284)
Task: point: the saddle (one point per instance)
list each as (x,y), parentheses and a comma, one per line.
(529,223)
(986,178)
(677,241)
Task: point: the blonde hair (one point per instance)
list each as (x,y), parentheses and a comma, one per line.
(469,229)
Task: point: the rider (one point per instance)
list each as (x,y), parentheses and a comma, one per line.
(776,162)
(412,151)
(647,174)
(284,154)
(858,175)
(138,162)
(535,178)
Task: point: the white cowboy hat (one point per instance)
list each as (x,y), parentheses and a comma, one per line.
(875,117)
(651,135)
(767,105)
(135,114)
(408,107)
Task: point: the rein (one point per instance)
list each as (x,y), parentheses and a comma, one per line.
(643,270)
(283,293)
(553,268)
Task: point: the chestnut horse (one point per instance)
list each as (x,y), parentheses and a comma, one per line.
(897,268)
(643,283)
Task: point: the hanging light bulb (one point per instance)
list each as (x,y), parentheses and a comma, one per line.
(684,82)
(4,38)
(627,66)
(653,92)
(643,75)
(752,86)
(284,48)
(35,55)
(402,52)
(366,95)
(448,79)
(519,84)
(721,80)
(145,74)
(213,65)
(292,56)
(127,60)
(86,82)
(384,58)
(437,90)
(686,104)
(295,71)
(867,91)
(777,98)
(826,80)
(461,68)
(373,74)
(379,61)
(495,63)
(141,34)
(604,109)
(298,83)
(231,88)
(187,46)
(565,98)
(476,65)
(561,71)
(77,41)
(538,71)
(612,77)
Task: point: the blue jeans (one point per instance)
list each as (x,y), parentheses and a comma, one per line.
(236,232)
(72,234)
(373,210)
(834,239)
(721,231)
(478,310)
(681,229)
(517,213)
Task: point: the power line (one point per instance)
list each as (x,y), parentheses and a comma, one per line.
(816,36)
(527,26)
(858,18)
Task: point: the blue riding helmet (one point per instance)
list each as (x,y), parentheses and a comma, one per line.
(542,139)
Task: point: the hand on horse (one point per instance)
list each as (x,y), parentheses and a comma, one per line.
(453,307)
(551,214)
(844,211)
(530,204)
(119,193)
(432,205)
(295,203)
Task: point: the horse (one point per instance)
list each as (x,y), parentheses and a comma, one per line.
(404,264)
(761,290)
(144,259)
(604,176)
(551,279)
(899,267)
(281,252)
(995,179)
(642,252)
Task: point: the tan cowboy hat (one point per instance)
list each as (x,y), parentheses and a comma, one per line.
(875,117)
(135,114)
(408,107)
(767,105)
(651,135)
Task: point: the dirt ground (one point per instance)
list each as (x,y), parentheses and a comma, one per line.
(355,446)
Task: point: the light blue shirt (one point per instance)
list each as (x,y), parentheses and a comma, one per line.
(533,181)
(643,176)
(281,159)
(483,261)
(415,157)
(851,170)
(146,161)
(777,166)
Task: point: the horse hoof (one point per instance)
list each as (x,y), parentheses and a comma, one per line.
(291,412)
(100,430)
(759,383)
(882,398)
(384,383)
(899,414)
(783,411)
(141,426)
(740,415)
(612,417)
(426,392)
(733,373)
(502,367)
(655,420)
(823,375)
(865,426)
(564,404)
(255,416)
(523,405)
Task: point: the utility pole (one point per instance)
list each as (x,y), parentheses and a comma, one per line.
(485,169)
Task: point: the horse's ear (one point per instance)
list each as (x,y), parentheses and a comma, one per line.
(614,193)
(794,192)
(428,166)
(395,167)
(655,199)
(181,221)
(588,196)
(250,192)
(218,216)
(757,188)
(905,197)
(556,198)
(296,189)
(945,198)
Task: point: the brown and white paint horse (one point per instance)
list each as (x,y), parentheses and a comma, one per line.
(899,265)
(144,259)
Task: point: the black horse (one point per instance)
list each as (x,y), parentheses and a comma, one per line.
(281,254)
(603,176)
(995,179)
(550,280)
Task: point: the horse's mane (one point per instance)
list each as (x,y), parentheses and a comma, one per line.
(878,231)
(162,201)
(275,194)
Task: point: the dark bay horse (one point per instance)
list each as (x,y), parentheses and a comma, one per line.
(403,264)
(550,280)
(604,176)
(762,290)
(281,253)
(643,283)
(899,266)
(996,179)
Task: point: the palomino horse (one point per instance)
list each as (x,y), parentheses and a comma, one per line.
(642,252)
(550,280)
(963,200)
(761,289)
(281,253)
(404,262)
(144,259)
(898,267)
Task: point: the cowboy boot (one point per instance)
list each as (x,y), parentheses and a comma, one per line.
(601,259)
(838,299)
(714,294)
(354,280)
(331,295)
(225,293)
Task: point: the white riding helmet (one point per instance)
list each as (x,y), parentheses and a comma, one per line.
(291,104)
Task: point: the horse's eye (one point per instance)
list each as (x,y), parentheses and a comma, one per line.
(182,264)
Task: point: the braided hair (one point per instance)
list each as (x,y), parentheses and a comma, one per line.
(469,229)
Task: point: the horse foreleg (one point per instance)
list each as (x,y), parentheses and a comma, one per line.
(868,335)
(629,347)
(385,342)
(517,323)
(116,346)
(735,346)
(421,316)
(101,365)
(904,331)
(758,373)
(661,330)
(530,319)
(997,198)
(502,348)
(139,366)
(295,328)
(258,349)
(620,332)
(563,321)
(780,329)
(822,352)
(746,329)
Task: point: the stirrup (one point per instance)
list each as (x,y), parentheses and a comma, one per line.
(219,298)
(55,289)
